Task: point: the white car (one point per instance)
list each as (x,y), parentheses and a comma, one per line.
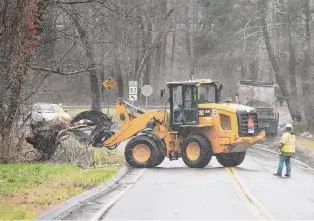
(46,112)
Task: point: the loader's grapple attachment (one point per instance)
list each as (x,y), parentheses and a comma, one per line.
(95,117)
(94,126)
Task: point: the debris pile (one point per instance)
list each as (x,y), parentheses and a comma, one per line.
(88,127)
(44,136)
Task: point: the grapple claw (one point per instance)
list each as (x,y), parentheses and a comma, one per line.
(102,126)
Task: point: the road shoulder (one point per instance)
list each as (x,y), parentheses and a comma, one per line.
(73,202)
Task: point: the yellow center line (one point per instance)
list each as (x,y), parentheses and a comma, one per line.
(256,208)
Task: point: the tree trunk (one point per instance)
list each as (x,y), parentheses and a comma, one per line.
(243,69)
(147,71)
(7,144)
(164,45)
(94,83)
(254,69)
(119,76)
(14,54)
(157,55)
(137,51)
(188,50)
(147,43)
(46,52)
(163,29)
(279,79)
(189,46)
(164,57)
(173,47)
(157,66)
(307,85)
(295,110)
(308,46)
(101,77)
(193,58)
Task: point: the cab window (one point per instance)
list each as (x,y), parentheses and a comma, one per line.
(207,93)
(177,105)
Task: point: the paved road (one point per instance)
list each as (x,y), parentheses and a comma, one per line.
(173,191)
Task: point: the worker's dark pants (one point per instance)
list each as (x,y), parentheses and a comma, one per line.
(284,159)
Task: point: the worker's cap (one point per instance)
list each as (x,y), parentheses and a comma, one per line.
(288,125)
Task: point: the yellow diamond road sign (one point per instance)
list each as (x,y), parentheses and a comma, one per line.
(109,83)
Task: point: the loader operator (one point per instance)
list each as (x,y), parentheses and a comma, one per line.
(179,110)
(287,150)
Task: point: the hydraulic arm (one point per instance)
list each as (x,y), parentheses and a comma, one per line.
(132,123)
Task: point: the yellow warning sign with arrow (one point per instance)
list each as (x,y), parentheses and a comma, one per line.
(109,83)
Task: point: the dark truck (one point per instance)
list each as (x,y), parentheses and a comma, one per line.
(262,96)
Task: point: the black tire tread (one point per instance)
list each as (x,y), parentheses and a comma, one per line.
(141,139)
(161,148)
(231,159)
(161,156)
(206,151)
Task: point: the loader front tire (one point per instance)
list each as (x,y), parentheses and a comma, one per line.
(161,147)
(161,151)
(141,152)
(196,151)
(230,159)
(160,159)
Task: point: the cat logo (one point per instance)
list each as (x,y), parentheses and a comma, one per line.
(201,113)
(215,113)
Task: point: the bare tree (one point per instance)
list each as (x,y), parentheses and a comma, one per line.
(18,42)
(94,84)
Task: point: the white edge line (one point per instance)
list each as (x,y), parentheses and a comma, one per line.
(116,198)
(297,161)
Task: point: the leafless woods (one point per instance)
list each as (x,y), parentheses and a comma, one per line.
(62,50)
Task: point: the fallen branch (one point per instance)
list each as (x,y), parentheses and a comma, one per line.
(60,72)
(73,3)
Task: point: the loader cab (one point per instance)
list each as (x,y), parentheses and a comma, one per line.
(184,100)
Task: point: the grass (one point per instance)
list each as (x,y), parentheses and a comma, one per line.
(27,190)
(103,156)
(306,143)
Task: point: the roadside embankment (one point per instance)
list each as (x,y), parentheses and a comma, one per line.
(28,190)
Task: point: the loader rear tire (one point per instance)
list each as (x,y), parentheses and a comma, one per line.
(230,159)
(141,152)
(196,151)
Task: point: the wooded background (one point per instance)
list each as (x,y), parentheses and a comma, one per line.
(62,50)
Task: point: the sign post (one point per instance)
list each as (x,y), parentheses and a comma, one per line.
(109,84)
(146,90)
(133,91)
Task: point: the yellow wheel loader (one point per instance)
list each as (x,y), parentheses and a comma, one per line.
(197,127)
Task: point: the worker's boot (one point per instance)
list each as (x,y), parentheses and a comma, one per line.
(287,175)
(277,174)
